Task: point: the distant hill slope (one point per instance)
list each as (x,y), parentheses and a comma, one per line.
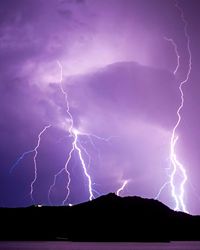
(107,218)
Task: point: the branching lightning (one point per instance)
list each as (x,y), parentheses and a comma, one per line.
(179,199)
(35,151)
(76,146)
(122,187)
(35,159)
(176,164)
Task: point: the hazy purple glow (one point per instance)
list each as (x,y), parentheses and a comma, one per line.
(118,72)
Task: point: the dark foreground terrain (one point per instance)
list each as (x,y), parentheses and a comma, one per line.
(107,218)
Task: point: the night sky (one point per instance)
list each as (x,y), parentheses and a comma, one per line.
(118,78)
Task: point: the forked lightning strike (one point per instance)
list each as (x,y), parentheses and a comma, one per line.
(178,168)
(179,199)
(76,146)
(35,151)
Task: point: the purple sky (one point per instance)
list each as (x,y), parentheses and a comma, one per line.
(118,74)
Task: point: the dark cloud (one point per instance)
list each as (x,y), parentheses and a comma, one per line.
(118,101)
(126,89)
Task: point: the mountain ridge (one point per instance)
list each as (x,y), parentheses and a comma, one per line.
(106,218)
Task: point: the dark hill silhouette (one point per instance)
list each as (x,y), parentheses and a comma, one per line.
(107,218)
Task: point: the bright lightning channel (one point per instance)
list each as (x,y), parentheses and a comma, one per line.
(122,187)
(177,166)
(179,199)
(83,164)
(76,146)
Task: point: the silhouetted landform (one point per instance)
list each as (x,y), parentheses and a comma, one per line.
(107,218)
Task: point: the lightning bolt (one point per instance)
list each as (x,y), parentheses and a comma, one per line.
(176,164)
(20,159)
(76,146)
(174,45)
(179,199)
(35,151)
(83,164)
(176,52)
(161,189)
(122,187)
(35,159)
